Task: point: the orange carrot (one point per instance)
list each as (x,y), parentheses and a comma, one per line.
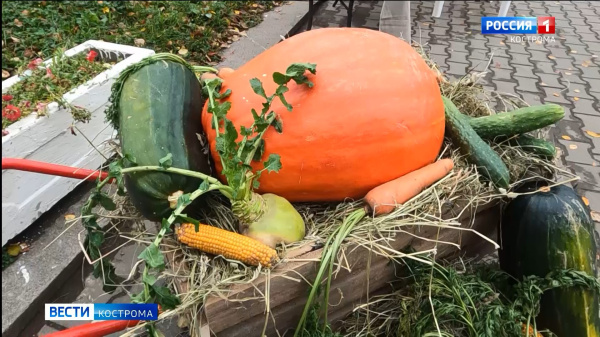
(383,198)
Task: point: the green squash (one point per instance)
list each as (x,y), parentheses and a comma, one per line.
(547,231)
(160,108)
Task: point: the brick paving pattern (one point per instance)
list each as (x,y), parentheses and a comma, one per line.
(566,71)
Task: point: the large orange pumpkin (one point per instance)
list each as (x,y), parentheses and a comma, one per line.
(374,114)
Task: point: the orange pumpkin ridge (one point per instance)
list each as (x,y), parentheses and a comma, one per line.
(374,114)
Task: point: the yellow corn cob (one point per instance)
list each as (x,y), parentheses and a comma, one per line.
(231,245)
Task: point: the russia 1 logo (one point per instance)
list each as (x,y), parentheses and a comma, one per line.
(545,25)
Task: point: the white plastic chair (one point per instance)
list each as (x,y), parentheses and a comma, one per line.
(437,8)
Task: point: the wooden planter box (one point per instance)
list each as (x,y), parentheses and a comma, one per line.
(26,196)
(231,318)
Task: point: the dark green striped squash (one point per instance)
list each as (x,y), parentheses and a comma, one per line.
(551,230)
(160,105)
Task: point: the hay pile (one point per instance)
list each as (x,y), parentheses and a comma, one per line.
(195,275)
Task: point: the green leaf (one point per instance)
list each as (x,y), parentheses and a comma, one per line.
(139,298)
(220,109)
(183,218)
(166,161)
(104,200)
(296,72)
(128,159)
(279,93)
(166,225)
(244,131)
(149,279)
(204,185)
(230,134)
(273,164)
(260,150)
(165,298)
(212,84)
(223,95)
(153,257)
(89,222)
(280,78)
(300,68)
(183,200)
(257,87)
(261,124)
(96,237)
(277,125)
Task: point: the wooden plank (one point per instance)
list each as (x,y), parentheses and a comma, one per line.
(287,297)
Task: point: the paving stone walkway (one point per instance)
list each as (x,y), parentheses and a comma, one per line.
(565,71)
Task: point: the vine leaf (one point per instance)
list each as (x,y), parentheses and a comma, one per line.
(166,161)
(165,298)
(104,200)
(273,163)
(153,257)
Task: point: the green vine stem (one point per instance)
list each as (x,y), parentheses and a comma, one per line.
(327,261)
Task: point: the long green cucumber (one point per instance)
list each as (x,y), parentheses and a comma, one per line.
(518,121)
(539,147)
(478,152)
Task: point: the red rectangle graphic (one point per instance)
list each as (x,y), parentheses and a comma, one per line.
(545,25)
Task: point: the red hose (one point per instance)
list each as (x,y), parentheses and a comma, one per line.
(52,169)
(96,329)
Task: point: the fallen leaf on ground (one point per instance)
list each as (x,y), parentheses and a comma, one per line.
(555,94)
(565,137)
(139,42)
(585,64)
(574,51)
(572,146)
(552,57)
(543,84)
(568,73)
(25,12)
(69,217)
(576,90)
(182,51)
(18,23)
(13,249)
(595,216)
(5,74)
(585,201)
(576,98)
(592,133)
(24,246)
(502,42)
(538,42)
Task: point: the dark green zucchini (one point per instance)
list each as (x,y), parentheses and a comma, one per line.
(159,113)
(478,152)
(552,230)
(518,121)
